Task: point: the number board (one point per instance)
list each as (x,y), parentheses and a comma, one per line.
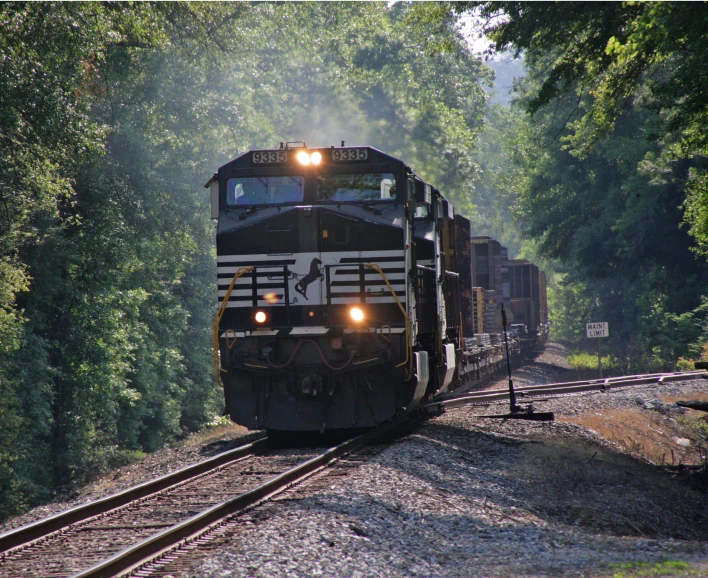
(350,154)
(269,157)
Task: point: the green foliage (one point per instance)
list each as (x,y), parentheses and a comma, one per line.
(616,230)
(494,192)
(358,72)
(112,118)
(599,61)
(100,268)
(664,568)
(609,166)
(610,52)
(569,306)
(585,362)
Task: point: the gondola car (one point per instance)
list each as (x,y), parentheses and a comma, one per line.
(332,288)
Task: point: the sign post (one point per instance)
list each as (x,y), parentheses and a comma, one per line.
(595,330)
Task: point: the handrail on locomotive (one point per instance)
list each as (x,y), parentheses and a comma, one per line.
(217,320)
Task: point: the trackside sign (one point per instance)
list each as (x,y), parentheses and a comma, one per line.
(600,329)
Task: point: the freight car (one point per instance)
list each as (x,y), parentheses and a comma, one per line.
(344,285)
(516,283)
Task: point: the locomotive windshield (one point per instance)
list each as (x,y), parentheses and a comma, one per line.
(357,187)
(264,190)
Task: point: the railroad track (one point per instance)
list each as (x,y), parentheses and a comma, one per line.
(146,530)
(115,535)
(68,542)
(530,392)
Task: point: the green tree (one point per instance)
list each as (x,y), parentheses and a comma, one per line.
(615,230)
(364,74)
(613,56)
(611,160)
(72,309)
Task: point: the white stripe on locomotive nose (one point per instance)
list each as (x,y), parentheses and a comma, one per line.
(291,256)
(259,257)
(373,330)
(350,296)
(355,277)
(270,269)
(239,291)
(249,288)
(248,292)
(337,273)
(248,280)
(383,289)
(335,301)
(265,332)
(357,301)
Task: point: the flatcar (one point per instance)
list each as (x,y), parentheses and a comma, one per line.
(339,288)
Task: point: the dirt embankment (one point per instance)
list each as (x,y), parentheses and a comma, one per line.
(650,426)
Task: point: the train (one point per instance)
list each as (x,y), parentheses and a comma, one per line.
(349,290)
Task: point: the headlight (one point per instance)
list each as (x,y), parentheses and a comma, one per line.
(303,158)
(316,158)
(356,314)
(260,317)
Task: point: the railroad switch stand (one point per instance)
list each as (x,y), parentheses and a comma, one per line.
(515,410)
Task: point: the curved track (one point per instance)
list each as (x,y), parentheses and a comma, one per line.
(530,392)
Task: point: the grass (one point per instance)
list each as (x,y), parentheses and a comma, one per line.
(665,568)
(588,361)
(684,364)
(125,457)
(219,427)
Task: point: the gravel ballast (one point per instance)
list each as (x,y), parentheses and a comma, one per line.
(164,461)
(461,496)
(464,496)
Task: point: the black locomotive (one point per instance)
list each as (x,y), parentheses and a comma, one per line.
(339,289)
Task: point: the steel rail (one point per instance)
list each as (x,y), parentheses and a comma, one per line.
(41,528)
(495,395)
(626,379)
(148,549)
(607,382)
